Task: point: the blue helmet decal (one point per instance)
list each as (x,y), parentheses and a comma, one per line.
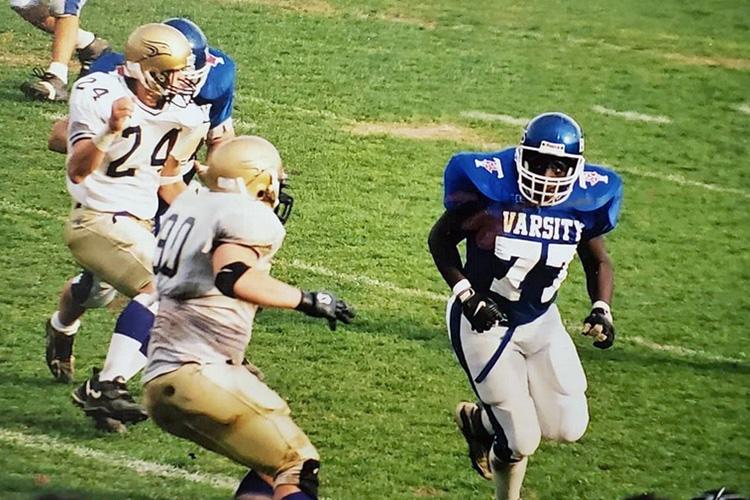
(194,35)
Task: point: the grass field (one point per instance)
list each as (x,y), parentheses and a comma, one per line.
(366,103)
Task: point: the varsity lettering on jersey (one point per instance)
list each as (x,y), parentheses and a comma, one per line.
(190,305)
(517,252)
(128,178)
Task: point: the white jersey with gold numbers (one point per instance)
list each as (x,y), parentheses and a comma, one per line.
(196,323)
(128,178)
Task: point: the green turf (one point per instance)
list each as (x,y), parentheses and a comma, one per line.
(376,398)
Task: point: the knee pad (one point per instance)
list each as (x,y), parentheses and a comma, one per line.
(91,293)
(303,474)
(60,8)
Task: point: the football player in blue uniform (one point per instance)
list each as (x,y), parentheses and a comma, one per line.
(524,213)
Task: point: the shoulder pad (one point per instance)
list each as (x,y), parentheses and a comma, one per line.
(221,76)
(469,177)
(596,187)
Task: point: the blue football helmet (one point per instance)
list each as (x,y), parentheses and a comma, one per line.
(549,158)
(194,77)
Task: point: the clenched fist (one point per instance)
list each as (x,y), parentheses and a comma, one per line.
(122,110)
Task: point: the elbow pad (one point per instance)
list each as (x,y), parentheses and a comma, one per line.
(228,276)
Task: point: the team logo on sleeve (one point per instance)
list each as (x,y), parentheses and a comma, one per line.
(491,165)
(593,178)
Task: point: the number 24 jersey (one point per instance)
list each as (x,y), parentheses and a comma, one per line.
(128,178)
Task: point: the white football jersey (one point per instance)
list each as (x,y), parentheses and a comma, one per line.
(196,322)
(128,178)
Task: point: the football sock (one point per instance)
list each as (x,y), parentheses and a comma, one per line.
(253,485)
(127,349)
(59,69)
(84,38)
(508,478)
(60,327)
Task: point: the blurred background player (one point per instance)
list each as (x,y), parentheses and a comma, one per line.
(126,141)
(212,265)
(524,213)
(61,18)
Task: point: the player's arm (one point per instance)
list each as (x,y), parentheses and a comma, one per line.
(171,184)
(449,230)
(600,282)
(236,276)
(87,154)
(217,135)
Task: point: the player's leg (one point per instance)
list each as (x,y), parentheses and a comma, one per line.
(227,409)
(80,293)
(506,411)
(558,384)
(118,249)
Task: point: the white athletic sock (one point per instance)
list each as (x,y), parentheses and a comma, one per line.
(508,478)
(124,358)
(58,69)
(84,38)
(60,327)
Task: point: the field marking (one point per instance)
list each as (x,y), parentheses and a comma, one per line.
(683,181)
(744,108)
(365,280)
(491,117)
(632,115)
(140,467)
(683,351)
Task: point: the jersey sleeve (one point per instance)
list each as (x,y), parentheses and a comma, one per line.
(90,107)
(107,62)
(475,179)
(251,224)
(604,219)
(222,79)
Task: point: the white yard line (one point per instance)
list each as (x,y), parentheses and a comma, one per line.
(683,351)
(140,467)
(491,117)
(632,115)
(683,181)
(365,280)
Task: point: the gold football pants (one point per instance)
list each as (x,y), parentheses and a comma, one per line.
(227,409)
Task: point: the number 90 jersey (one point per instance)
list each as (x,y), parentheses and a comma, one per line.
(518,252)
(128,178)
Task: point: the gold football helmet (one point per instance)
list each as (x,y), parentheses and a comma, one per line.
(246,164)
(155,55)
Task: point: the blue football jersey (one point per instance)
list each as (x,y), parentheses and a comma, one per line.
(217,91)
(517,252)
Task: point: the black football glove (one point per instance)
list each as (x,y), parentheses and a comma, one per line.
(326,305)
(598,324)
(481,311)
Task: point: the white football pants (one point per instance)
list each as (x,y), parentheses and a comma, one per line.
(534,389)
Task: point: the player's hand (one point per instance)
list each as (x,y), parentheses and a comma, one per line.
(481,311)
(599,325)
(326,305)
(122,110)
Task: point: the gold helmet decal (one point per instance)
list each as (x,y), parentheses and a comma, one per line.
(155,54)
(248,164)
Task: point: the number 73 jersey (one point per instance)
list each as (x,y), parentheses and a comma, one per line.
(517,252)
(128,178)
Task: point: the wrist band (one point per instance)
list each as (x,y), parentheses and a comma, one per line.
(600,304)
(104,139)
(461,286)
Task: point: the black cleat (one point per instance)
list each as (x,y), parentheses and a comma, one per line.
(107,401)
(468,417)
(90,53)
(59,354)
(45,86)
